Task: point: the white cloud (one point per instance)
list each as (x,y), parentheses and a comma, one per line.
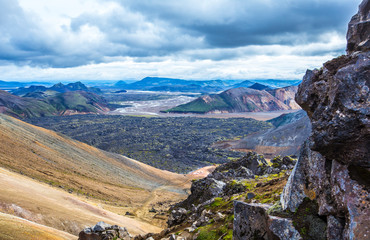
(192,39)
(253,67)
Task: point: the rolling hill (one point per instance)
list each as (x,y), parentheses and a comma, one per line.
(175,85)
(39,104)
(58,88)
(241,100)
(67,185)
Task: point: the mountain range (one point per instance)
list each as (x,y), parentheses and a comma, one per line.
(242,100)
(202,86)
(59,87)
(37,104)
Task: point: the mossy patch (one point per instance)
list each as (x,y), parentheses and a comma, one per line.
(307,221)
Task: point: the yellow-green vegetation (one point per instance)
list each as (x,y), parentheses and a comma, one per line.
(201,106)
(217,230)
(219,203)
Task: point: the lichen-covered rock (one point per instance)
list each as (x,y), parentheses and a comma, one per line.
(353,200)
(254,162)
(283,163)
(359,30)
(283,228)
(294,191)
(251,222)
(335,228)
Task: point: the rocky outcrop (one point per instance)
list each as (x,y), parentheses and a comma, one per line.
(333,168)
(220,182)
(359,30)
(283,228)
(104,231)
(251,222)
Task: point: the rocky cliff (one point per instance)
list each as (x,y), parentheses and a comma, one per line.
(333,169)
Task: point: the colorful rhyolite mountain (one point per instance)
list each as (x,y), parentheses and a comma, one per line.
(242,100)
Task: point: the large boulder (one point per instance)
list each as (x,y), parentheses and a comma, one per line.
(334,167)
(251,222)
(283,228)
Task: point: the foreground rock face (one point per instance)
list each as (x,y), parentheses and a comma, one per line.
(333,169)
(219,182)
(359,30)
(251,222)
(104,231)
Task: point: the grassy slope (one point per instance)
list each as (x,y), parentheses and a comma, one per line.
(115,182)
(53,105)
(200,106)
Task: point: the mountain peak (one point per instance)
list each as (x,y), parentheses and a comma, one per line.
(259,86)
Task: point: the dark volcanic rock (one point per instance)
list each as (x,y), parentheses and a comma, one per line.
(224,181)
(359,29)
(336,99)
(283,228)
(333,169)
(104,231)
(254,162)
(251,222)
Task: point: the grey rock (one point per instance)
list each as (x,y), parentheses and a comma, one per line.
(293,193)
(177,216)
(172,237)
(337,101)
(336,173)
(335,228)
(283,228)
(255,163)
(353,200)
(100,227)
(124,234)
(104,231)
(250,222)
(250,195)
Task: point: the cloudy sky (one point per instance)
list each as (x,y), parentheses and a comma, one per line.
(189,39)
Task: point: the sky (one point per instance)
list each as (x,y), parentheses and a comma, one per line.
(68,40)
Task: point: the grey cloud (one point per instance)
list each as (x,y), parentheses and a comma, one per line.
(168,29)
(238,23)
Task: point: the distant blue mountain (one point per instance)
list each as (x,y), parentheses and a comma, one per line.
(13,85)
(172,84)
(204,86)
(274,83)
(59,87)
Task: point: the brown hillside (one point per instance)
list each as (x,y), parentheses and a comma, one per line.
(115,182)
